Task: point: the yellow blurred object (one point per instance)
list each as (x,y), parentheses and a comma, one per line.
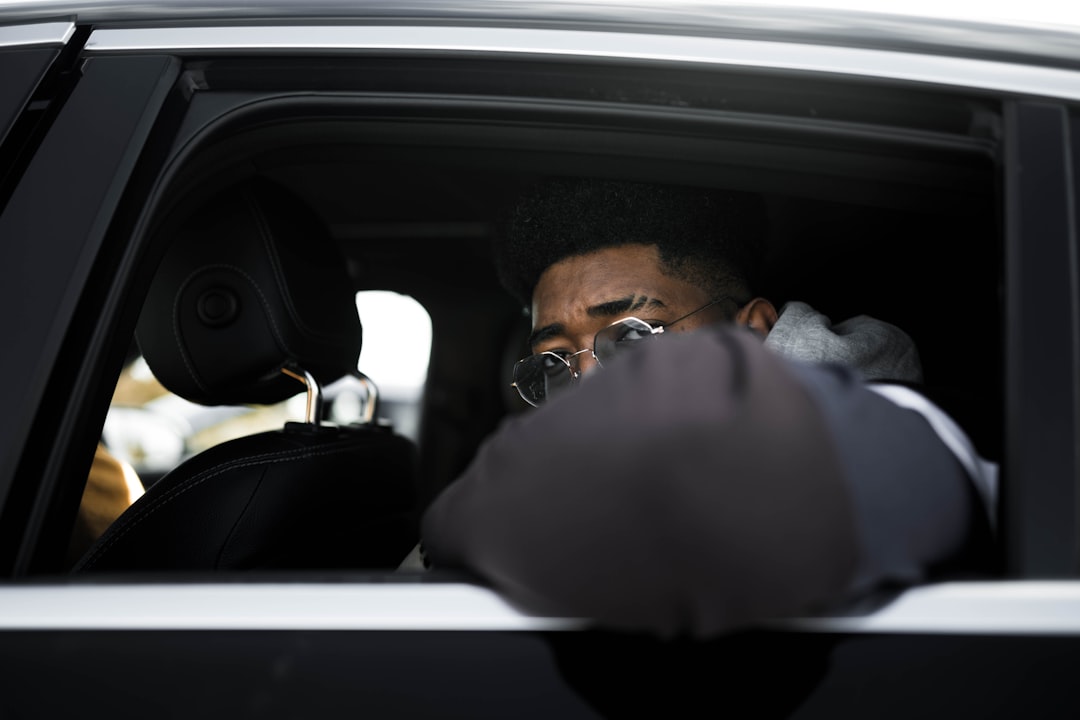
(135,387)
(111,487)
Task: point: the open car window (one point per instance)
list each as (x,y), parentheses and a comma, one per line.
(883,199)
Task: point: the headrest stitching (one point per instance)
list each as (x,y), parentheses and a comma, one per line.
(266,233)
(178,339)
(176,315)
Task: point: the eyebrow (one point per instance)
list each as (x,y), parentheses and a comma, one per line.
(608,309)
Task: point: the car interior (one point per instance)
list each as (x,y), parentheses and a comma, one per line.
(251,297)
(396,175)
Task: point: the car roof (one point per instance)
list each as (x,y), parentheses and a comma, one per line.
(1037,32)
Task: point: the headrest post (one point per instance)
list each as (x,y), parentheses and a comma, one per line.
(314,395)
(372,401)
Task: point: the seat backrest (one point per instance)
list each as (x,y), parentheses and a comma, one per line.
(252,295)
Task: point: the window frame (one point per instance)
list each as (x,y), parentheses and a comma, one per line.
(158,112)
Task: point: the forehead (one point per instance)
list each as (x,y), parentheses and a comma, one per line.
(571,286)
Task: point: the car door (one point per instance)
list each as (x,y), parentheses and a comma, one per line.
(439,644)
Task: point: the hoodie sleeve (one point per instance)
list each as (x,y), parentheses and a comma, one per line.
(706,484)
(691,490)
(879,350)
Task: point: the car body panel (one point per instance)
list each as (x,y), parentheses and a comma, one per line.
(1038,31)
(142,105)
(413,602)
(1039,515)
(53,227)
(335,671)
(937,70)
(26,53)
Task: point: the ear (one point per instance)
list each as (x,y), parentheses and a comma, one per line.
(759,315)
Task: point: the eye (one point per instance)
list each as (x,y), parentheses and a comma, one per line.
(628,334)
(629,331)
(552,362)
(623,335)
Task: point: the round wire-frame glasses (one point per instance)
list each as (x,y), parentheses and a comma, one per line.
(538,376)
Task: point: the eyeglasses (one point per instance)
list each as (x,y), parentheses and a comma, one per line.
(539,376)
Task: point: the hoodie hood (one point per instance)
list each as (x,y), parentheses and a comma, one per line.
(877,349)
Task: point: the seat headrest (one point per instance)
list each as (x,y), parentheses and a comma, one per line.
(251,281)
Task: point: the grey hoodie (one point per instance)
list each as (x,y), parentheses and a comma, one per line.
(877,349)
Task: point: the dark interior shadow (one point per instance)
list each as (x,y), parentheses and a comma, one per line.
(757,674)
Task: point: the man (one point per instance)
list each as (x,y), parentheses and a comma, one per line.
(729,463)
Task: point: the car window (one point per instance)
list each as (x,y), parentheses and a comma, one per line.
(885,199)
(395,355)
(415,215)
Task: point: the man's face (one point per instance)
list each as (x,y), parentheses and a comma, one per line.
(578,296)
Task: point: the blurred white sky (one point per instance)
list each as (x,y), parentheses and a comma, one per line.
(397,341)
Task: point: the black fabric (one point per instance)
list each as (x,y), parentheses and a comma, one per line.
(689,490)
(296,498)
(251,281)
(919,514)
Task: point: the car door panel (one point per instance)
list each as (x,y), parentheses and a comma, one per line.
(53,228)
(26,54)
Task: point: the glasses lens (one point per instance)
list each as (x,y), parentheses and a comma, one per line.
(539,376)
(616,339)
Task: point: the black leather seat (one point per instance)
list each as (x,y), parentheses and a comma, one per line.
(251,296)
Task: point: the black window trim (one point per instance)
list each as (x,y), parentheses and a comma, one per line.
(1039,515)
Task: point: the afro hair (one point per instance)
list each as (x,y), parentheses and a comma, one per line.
(711,238)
